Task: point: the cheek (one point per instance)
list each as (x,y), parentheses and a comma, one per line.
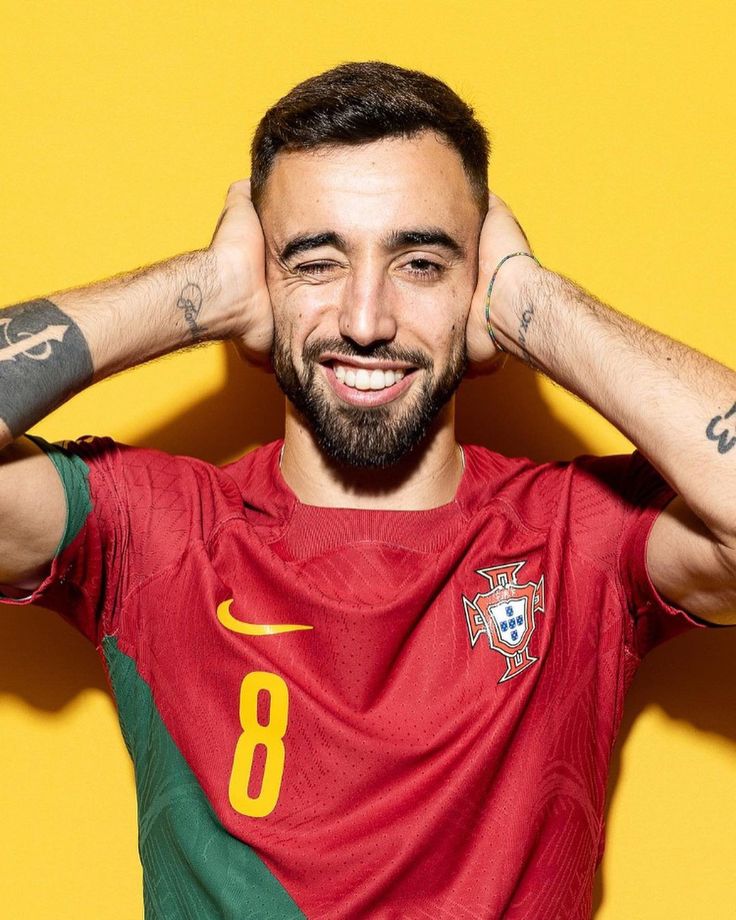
(299,309)
(443,318)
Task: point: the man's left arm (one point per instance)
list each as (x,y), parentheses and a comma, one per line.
(675,404)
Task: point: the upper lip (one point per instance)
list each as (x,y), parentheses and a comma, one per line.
(370,364)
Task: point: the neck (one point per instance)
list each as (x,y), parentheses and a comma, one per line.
(427,478)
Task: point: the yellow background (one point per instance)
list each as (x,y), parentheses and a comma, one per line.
(613,132)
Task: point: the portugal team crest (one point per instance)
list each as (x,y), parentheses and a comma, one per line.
(506,614)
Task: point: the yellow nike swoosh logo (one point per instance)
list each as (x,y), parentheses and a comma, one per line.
(252,629)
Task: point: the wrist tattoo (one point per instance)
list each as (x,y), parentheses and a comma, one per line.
(44,359)
(190,302)
(526,319)
(723,438)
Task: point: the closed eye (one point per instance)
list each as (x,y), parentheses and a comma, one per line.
(314,268)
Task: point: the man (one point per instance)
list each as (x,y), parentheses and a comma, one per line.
(365,672)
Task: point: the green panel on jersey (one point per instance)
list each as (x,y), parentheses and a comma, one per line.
(74,474)
(193,869)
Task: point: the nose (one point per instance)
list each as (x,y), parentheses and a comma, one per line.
(366,308)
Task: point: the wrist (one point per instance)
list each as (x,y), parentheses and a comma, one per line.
(513,301)
(232,292)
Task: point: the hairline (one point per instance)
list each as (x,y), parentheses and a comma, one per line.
(332,145)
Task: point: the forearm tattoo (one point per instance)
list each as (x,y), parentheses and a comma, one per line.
(44,359)
(190,302)
(526,309)
(723,437)
(526,319)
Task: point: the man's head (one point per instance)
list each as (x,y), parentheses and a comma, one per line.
(371,185)
(367,101)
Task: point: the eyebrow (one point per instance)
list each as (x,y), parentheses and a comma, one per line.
(306,241)
(425,236)
(397,239)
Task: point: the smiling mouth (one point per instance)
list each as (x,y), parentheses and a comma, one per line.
(368,378)
(367,384)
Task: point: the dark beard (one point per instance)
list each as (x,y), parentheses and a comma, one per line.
(377,436)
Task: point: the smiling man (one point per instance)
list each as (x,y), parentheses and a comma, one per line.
(370,304)
(366,672)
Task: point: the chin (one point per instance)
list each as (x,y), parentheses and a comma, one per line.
(363,436)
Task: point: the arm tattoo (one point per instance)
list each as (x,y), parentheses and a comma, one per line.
(526,318)
(44,359)
(724,442)
(190,301)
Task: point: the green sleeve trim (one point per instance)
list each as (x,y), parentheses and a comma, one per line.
(74,475)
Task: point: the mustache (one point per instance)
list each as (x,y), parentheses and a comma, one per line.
(381,351)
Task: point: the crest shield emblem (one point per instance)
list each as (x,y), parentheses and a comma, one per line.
(506,615)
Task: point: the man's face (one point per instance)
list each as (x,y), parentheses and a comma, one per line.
(371,266)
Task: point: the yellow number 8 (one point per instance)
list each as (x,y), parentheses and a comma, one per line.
(271,736)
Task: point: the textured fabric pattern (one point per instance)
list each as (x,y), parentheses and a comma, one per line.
(192,868)
(401,714)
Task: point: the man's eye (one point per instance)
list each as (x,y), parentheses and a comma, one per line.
(314,268)
(424,268)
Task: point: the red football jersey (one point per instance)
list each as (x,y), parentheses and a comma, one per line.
(344,714)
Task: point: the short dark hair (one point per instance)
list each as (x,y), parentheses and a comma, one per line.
(359,102)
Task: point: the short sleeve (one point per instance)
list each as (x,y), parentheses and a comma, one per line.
(130,512)
(631,494)
(655,619)
(81,583)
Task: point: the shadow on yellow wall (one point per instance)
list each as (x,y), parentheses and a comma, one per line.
(46,664)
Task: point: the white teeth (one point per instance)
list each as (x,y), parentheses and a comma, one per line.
(377,380)
(364,379)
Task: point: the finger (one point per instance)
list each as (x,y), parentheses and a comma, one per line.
(237,198)
(238,190)
(241,185)
(499,207)
(496,202)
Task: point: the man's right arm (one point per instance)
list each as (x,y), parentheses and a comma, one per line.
(52,348)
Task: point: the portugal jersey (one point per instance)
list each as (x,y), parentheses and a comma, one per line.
(343,714)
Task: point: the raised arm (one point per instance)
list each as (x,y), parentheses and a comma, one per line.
(53,347)
(674,403)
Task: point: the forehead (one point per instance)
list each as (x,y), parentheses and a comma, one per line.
(368,188)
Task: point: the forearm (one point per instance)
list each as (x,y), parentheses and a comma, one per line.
(675,404)
(52,348)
